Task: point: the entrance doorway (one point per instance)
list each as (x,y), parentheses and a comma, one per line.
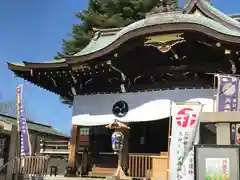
(149,137)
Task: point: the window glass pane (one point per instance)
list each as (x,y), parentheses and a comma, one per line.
(84,131)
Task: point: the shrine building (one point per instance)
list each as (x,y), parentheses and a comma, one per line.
(132,74)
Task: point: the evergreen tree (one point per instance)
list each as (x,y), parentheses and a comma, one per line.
(104,14)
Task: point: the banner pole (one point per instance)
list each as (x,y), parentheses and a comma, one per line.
(169,139)
(214,92)
(17,164)
(24,138)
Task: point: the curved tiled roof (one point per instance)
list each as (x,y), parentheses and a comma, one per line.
(214,23)
(164,18)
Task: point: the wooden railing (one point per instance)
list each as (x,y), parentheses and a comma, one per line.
(140,166)
(32,165)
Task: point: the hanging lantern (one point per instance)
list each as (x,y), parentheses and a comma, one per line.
(117,141)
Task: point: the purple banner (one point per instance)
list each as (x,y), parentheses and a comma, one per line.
(227,96)
(25,146)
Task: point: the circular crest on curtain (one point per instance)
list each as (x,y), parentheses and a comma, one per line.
(120,109)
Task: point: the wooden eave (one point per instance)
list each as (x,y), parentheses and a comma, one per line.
(45,77)
(59,79)
(208,10)
(45,65)
(28,66)
(51,75)
(17,67)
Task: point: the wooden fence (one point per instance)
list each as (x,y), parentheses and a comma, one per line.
(32,165)
(140,166)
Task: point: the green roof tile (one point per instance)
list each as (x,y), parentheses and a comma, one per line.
(96,45)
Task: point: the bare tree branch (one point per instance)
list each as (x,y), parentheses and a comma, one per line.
(8,107)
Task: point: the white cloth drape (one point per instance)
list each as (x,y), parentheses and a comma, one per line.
(92,110)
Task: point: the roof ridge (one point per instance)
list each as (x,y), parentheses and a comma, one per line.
(13,120)
(212,12)
(234,15)
(29,121)
(190,4)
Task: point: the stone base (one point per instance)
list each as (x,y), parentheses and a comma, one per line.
(120,175)
(70,172)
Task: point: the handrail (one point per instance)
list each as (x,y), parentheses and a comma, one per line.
(4,165)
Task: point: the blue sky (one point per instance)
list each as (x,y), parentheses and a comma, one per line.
(32,30)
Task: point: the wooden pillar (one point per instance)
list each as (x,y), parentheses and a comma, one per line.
(84,144)
(125,151)
(73,146)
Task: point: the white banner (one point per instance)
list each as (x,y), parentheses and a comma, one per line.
(185,133)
